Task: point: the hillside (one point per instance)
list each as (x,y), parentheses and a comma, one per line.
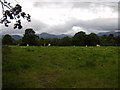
(42,35)
(108,33)
(47,35)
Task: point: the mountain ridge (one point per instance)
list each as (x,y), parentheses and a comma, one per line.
(47,35)
(108,33)
(42,35)
(60,36)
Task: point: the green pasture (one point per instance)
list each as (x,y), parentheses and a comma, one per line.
(60,67)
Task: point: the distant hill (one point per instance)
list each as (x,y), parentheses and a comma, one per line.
(47,35)
(108,33)
(16,37)
(42,35)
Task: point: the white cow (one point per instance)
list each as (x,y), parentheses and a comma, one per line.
(49,44)
(27,44)
(98,45)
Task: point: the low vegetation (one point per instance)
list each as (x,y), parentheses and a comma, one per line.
(60,67)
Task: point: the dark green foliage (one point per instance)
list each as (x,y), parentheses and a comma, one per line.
(11,12)
(103,40)
(30,38)
(66,41)
(29,31)
(55,42)
(79,39)
(17,42)
(92,39)
(7,40)
(110,40)
(117,40)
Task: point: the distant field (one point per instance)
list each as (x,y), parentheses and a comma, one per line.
(60,67)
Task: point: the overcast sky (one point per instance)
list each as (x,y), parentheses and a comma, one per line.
(67,16)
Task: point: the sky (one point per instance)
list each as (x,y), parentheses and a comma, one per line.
(66,16)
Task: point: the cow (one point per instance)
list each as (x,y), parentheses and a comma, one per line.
(27,44)
(49,44)
(98,45)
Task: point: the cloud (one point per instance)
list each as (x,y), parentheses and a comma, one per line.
(77,4)
(100,24)
(35,24)
(96,25)
(70,27)
(68,17)
(80,10)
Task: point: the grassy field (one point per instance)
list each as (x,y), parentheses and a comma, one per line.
(60,67)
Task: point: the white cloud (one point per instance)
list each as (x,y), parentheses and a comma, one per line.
(57,13)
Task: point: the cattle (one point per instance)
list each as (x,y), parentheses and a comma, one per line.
(49,44)
(27,44)
(98,45)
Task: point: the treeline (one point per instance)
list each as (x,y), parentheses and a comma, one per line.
(79,39)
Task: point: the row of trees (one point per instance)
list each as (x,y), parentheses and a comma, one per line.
(79,39)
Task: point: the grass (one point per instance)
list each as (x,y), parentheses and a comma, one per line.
(60,67)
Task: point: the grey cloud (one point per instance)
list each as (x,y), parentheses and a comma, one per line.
(73,4)
(35,24)
(59,29)
(100,24)
(53,4)
(96,25)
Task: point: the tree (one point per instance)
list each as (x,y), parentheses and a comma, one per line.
(40,41)
(66,41)
(47,41)
(92,39)
(12,13)
(17,42)
(117,40)
(55,42)
(79,38)
(7,40)
(30,38)
(111,40)
(103,40)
